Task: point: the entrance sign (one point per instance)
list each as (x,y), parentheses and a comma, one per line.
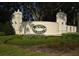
(39,29)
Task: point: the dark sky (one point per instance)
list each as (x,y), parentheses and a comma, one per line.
(48,9)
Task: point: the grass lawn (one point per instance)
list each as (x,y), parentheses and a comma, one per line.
(9,50)
(37,44)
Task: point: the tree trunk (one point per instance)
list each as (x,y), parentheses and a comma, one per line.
(78,22)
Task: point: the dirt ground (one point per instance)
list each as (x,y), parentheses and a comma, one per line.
(54,51)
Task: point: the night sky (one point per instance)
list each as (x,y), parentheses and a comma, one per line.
(42,10)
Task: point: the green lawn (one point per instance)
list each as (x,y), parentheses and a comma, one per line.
(9,50)
(7,42)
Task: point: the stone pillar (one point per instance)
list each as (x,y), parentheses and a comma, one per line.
(61,19)
(17,21)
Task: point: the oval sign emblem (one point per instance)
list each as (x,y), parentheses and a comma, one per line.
(39,29)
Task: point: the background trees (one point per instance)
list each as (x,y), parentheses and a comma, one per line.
(39,11)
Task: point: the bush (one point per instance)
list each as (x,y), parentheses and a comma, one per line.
(31,40)
(71,39)
(68,39)
(28,39)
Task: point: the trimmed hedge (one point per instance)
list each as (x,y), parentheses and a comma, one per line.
(28,39)
(32,40)
(69,39)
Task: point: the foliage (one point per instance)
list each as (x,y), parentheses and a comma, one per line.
(69,39)
(6,28)
(32,40)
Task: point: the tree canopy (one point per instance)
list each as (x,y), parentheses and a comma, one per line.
(43,11)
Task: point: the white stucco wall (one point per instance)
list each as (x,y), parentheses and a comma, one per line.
(51,28)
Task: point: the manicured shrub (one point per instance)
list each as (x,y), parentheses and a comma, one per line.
(32,40)
(71,39)
(68,39)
